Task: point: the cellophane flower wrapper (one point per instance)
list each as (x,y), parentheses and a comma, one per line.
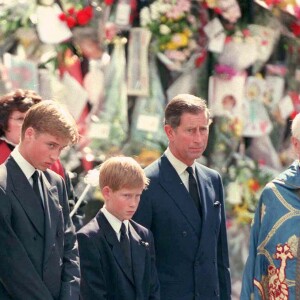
(174,31)
(114,116)
(244,181)
(224,139)
(148,142)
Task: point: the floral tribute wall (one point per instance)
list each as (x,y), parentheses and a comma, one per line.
(116,63)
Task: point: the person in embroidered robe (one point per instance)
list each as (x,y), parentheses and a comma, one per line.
(272,270)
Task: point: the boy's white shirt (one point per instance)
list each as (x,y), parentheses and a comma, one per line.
(114,221)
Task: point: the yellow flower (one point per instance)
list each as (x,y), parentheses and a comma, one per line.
(187,32)
(179,40)
(211,3)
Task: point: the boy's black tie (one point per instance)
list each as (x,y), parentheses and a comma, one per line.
(36,178)
(193,188)
(125,244)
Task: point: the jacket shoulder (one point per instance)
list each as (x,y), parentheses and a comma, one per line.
(140,229)
(90,229)
(153,168)
(208,171)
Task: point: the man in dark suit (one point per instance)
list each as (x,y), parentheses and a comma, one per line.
(184,208)
(38,252)
(116,254)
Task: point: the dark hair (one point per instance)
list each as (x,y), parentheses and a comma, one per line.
(184,103)
(19,100)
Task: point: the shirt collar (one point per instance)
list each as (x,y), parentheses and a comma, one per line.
(178,165)
(24,165)
(114,221)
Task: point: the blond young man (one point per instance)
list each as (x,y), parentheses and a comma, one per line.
(38,253)
(116,254)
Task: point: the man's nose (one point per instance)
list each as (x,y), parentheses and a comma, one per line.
(55,154)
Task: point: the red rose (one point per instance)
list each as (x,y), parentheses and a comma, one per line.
(218,10)
(71,21)
(109,2)
(62,17)
(83,16)
(71,11)
(295,27)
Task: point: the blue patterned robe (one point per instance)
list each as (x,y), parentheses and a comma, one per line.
(272,270)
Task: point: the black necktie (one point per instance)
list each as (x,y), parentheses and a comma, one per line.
(125,244)
(193,188)
(36,178)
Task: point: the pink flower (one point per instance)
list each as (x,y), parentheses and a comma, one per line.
(226,70)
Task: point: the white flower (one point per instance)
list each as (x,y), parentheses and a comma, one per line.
(145,16)
(155,11)
(164,29)
(92,177)
(234,193)
(163,8)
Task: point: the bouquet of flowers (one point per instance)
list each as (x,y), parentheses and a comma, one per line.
(174,30)
(246,179)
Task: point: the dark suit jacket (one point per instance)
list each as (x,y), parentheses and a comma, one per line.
(191,254)
(38,252)
(105,274)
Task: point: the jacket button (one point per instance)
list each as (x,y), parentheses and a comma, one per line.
(184,233)
(59,233)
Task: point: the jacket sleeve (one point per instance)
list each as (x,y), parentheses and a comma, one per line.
(17,273)
(154,288)
(222,251)
(92,285)
(143,214)
(71,273)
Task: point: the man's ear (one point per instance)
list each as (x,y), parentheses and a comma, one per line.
(106,192)
(169,131)
(29,133)
(295,143)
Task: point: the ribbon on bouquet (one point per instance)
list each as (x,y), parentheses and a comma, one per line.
(91,180)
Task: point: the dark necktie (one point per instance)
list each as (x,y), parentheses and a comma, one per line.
(125,244)
(36,178)
(193,189)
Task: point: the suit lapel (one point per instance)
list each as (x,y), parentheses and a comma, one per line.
(173,185)
(52,210)
(24,193)
(112,239)
(138,252)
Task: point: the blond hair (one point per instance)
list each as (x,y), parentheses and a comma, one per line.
(50,117)
(122,172)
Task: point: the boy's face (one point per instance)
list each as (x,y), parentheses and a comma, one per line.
(41,149)
(122,203)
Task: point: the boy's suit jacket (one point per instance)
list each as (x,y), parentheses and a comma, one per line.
(191,253)
(38,252)
(105,274)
